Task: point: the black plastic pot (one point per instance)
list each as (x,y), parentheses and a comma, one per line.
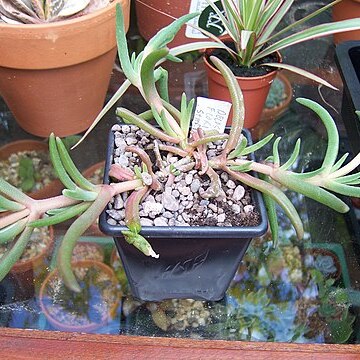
(195,262)
(348,61)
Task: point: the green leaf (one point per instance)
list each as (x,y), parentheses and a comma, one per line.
(243,167)
(80,194)
(9,205)
(293,156)
(276,157)
(26,173)
(11,231)
(252,148)
(71,169)
(238,151)
(62,216)
(58,165)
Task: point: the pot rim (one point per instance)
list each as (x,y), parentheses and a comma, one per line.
(62,23)
(243,78)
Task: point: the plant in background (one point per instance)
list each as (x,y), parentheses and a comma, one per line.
(174,137)
(276,94)
(45,11)
(253,26)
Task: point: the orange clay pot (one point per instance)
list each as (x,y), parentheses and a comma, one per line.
(55,187)
(254,89)
(23,273)
(46,301)
(54,77)
(153,15)
(346,9)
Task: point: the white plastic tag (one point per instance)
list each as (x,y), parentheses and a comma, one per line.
(211,114)
(195,6)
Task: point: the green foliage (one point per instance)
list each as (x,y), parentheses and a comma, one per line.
(276,94)
(27,173)
(253,26)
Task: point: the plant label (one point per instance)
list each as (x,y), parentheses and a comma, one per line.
(208,20)
(211,114)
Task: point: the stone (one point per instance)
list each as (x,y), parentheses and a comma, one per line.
(231,184)
(221,218)
(248,209)
(169,202)
(160,221)
(146,222)
(238,193)
(118,202)
(195,185)
(154,208)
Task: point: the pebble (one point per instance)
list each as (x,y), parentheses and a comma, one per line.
(236,208)
(221,218)
(125,129)
(238,193)
(120,143)
(146,222)
(122,160)
(160,221)
(188,179)
(118,202)
(248,209)
(116,214)
(195,185)
(154,208)
(169,202)
(231,184)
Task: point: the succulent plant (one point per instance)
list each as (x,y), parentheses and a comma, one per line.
(42,11)
(276,94)
(174,136)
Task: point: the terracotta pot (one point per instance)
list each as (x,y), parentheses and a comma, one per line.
(254,89)
(61,324)
(54,77)
(23,273)
(346,9)
(153,15)
(54,187)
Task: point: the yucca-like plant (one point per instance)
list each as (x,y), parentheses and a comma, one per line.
(253,27)
(42,11)
(174,136)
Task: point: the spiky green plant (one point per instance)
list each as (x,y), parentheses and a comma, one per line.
(253,27)
(42,11)
(85,200)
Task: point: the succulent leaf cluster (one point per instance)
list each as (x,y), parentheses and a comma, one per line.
(42,11)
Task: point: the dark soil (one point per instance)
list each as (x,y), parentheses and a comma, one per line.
(239,70)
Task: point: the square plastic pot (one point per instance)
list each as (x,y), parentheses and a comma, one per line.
(195,262)
(348,62)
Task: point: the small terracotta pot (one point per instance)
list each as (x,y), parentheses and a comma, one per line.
(63,326)
(54,77)
(346,9)
(254,89)
(23,272)
(153,15)
(54,187)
